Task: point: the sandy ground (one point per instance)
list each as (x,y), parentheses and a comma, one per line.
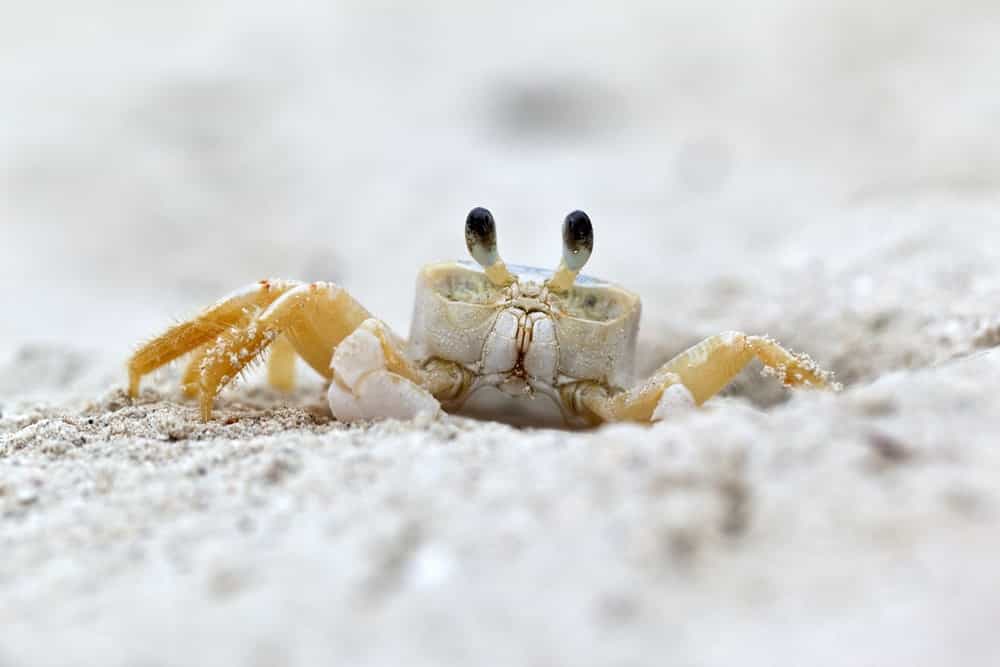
(827,175)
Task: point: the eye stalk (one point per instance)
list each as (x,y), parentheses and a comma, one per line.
(578,240)
(481,236)
(578,244)
(481,239)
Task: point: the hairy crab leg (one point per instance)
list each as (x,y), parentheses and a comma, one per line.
(188,336)
(189,381)
(694,376)
(280,367)
(315,318)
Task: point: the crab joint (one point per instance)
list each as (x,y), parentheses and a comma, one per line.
(578,244)
(481,239)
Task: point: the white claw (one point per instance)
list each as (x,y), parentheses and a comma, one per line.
(381,395)
(362,388)
(358,354)
(675,399)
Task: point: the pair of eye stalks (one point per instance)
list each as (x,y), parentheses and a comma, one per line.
(578,244)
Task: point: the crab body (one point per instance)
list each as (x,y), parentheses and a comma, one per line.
(524,331)
(523,338)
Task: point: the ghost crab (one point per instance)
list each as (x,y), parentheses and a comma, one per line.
(523,330)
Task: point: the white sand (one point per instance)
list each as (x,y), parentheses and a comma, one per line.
(827,176)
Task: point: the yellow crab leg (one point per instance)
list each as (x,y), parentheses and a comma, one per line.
(281,364)
(188,336)
(702,370)
(314,318)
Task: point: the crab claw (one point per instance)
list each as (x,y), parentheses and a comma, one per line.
(674,400)
(363,388)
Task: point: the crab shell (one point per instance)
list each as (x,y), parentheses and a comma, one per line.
(522,338)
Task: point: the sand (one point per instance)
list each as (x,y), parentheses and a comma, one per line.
(828,176)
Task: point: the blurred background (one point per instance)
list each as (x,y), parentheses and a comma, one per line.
(825,172)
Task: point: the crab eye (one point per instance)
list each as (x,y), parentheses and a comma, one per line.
(578,240)
(481,236)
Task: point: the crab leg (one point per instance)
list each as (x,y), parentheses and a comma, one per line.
(694,376)
(281,364)
(195,333)
(314,318)
(280,367)
(370,374)
(189,381)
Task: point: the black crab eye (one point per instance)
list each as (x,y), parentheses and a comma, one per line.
(481,236)
(578,240)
